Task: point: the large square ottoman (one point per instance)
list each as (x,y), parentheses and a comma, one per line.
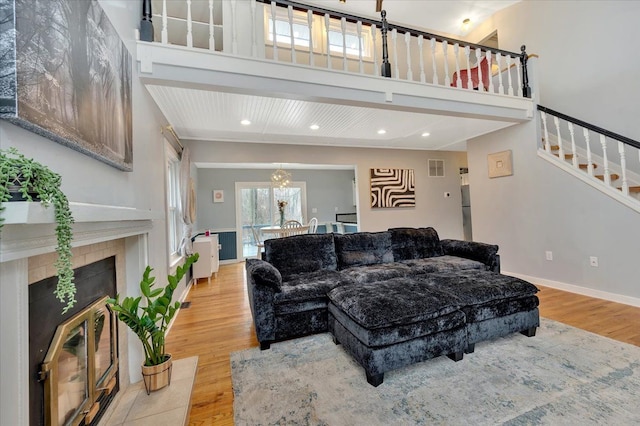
(390,324)
(494,305)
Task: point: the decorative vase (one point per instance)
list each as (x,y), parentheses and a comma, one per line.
(157,376)
(281,219)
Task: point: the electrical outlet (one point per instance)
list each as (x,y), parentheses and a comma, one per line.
(549,255)
(593,261)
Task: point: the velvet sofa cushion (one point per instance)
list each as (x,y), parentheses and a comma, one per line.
(473,250)
(442,264)
(363,248)
(380,272)
(301,254)
(304,291)
(479,287)
(397,301)
(415,243)
(263,273)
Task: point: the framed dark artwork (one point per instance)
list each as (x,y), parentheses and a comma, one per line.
(392,188)
(70,80)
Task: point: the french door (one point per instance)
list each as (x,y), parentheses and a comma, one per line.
(257,206)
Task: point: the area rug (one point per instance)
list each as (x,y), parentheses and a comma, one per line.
(563,375)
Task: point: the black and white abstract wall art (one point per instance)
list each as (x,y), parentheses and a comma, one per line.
(72,77)
(392,188)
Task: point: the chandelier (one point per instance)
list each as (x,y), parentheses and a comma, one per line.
(280,178)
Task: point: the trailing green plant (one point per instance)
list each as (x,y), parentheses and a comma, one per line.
(32,179)
(150,322)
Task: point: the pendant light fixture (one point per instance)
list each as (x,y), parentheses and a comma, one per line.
(280,178)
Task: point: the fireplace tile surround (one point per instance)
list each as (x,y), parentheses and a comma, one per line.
(27,255)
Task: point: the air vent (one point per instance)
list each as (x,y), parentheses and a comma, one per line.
(436,168)
(185,305)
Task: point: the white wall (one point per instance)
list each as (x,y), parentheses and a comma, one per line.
(432,209)
(541,208)
(587,68)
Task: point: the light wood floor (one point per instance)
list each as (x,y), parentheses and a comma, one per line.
(218,322)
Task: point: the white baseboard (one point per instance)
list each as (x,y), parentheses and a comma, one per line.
(599,294)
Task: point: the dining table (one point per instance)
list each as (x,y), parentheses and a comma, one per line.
(278,232)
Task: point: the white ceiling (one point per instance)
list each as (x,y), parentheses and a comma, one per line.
(207,115)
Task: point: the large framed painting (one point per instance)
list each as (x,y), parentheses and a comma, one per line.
(392,188)
(66,75)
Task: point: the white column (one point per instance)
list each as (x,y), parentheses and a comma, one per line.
(343,28)
(480,83)
(510,90)
(14,341)
(327,22)
(547,145)
(499,62)
(374,36)
(489,71)
(518,66)
(394,37)
(467,53)
(623,165)
(556,121)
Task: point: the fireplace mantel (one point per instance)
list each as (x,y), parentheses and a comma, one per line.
(29,228)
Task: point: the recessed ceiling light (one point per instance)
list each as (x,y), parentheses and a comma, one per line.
(245,122)
(314,127)
(425,134)
(382,131)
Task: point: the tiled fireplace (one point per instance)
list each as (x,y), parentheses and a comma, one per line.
(102,236)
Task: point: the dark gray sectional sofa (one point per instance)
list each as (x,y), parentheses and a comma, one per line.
(391,298)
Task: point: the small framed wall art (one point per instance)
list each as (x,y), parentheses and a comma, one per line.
(500,164)
(392,188)
(218,196)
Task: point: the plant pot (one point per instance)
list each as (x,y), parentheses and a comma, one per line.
(15,194)
(157,376)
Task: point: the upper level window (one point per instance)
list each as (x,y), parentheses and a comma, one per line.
(174,219)
(302,35)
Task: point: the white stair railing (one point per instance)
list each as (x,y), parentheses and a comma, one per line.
(620,172)
(351,41)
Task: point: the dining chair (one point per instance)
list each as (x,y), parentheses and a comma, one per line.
(258,242)
(313,225)
(293,227)
(291,224)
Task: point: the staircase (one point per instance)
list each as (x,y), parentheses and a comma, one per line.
(603,159)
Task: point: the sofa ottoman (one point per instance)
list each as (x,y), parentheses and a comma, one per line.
(394,323)
(494,305)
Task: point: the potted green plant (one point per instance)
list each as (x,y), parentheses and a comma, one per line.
(24,179)
(150,322)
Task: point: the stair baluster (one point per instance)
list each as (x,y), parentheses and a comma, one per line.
(510,90)
(254,42)
(422,74)
(164,32)
(560,148)
(499,63)
(291,34)
(467,53)
(547,145)
(456,51)
(394,37)
(360,63)
(623,165)
(310,24)
(190,23)
(490,76)
(343,28)
(326,30)
(433,61)
(607,176)
(574,158)
(445,53)
(407,43)
(212,40)
(480,83)
(374,36)
(589,160)
(273,28)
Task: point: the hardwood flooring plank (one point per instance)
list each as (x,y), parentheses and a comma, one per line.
(219,322)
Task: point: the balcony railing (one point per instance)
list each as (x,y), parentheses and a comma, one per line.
(310,36)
